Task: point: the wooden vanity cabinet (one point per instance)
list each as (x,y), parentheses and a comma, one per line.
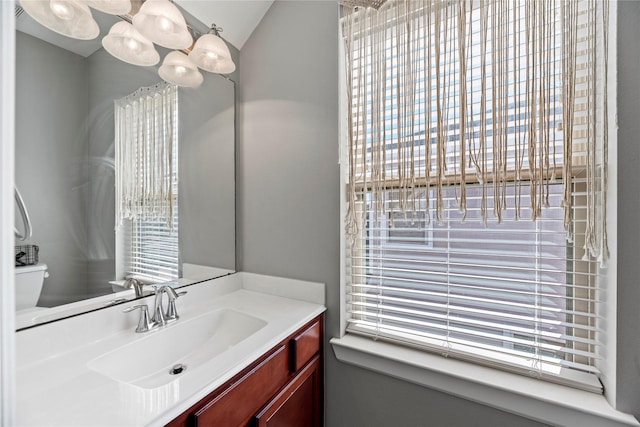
(282,388)
(298,403)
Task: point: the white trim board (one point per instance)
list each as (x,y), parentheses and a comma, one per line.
(7,297)
(528,397)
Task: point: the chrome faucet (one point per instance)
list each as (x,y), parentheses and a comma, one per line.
(160,316)
(131,282)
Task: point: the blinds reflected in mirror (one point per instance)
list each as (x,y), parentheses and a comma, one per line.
(147,183)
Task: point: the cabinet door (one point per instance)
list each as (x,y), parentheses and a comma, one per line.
(299,402)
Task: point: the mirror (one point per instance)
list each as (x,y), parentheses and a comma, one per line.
(65,169)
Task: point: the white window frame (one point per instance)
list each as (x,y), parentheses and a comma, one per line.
(514,393)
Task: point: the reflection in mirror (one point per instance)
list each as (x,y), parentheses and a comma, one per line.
(66,171)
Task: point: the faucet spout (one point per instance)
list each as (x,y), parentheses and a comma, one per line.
(158,314)
(137,285)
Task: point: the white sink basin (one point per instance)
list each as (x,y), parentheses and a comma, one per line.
(146,362)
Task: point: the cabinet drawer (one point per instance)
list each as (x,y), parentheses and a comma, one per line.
(240,401)
(304,346)
(298,403)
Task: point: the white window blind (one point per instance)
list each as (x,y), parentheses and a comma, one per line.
(477,164)
(147,183)
(151,248)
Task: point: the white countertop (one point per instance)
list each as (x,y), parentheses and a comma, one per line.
(56,387)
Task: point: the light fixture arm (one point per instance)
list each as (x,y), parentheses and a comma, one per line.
(215,30)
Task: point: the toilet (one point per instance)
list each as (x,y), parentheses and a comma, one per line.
(29,281)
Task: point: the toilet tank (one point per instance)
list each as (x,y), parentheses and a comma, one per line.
(28,285)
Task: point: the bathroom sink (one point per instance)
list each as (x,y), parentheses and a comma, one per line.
(177,347)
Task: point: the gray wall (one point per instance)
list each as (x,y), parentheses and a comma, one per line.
(288,204)
(50,161)
(207,174)
(109,79)
(628,267)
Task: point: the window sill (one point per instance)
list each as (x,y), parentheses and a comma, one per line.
(528,397)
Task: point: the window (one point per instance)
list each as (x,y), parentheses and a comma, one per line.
(151,247)
(477,178)
(401,229)
(147,184)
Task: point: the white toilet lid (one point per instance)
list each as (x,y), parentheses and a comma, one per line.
(30,268)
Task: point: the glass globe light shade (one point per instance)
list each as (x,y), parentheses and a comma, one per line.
(179,70)
(127,44)
(224,66)
(70,18)
(112,7)
(161,22)
(212,54)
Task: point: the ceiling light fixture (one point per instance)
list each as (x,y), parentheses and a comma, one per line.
(70,18)
(112,7)
(128,45)
(211,53)
(131,41)
(179,70)
(161,22)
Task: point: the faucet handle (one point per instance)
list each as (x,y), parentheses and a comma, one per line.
(144,325)
(172,313)
(142,307)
